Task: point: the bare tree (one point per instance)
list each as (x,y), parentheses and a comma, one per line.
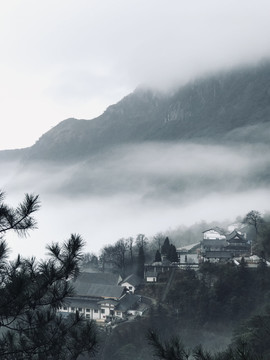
(141,241)
(255,220)
(89,259)
(159,239)
(130,242)
(116,254)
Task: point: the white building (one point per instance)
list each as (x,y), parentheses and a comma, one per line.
(99,297)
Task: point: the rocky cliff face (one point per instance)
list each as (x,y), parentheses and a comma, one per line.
(233,106)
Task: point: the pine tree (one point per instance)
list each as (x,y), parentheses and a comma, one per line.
(31,293)
(141,260)
(172,254)
(157,256)
(165,248)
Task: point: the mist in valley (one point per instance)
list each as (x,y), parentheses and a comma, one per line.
(131,189)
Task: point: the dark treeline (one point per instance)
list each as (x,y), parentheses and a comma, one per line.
(205,307)
(222,306)
(125,256)
(128,255)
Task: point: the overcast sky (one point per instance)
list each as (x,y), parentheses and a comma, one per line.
(63,58)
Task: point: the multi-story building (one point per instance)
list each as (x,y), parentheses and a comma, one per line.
(99,296)
(216,245)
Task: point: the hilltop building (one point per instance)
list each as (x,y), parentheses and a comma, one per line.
(217,246)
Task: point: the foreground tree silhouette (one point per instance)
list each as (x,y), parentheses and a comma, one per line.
(31,292)
(174,349)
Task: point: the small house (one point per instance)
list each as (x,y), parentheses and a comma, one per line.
(131,283)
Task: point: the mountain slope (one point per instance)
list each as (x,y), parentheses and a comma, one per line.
(224,107)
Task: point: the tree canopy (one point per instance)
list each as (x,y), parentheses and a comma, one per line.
(32,291)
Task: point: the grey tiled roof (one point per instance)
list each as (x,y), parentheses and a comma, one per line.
(151,273)
(218,254)
(217,229)
(81,303)
(215,242)
(108,301)
(132,280)
(236,237)
(98,290)
(188,247)
(99,278)
(128,302)
(239,247)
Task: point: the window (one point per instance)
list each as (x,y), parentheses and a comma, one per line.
(80,309)
(95,311)
(65,308)
(87,310)
(87,316)
(118,313)
(72,309)
(102,311)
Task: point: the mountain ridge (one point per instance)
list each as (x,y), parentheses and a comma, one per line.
(219,108)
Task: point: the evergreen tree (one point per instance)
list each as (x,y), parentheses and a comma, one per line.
(140,264)
(165,248)
(172,254)
(264,239)
(157,256)
(169,350)
(31,293)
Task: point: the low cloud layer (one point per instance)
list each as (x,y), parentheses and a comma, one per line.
(142,189)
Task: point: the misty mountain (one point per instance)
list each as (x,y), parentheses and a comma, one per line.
(229,106)
(152,161)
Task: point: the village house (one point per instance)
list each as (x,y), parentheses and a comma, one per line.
(153,270)
(237,244)
(218,246)
(215,233)
(188,255)
(131,283)
(99,296)
(150,276)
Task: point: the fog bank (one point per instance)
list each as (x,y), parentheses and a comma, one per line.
(140,189)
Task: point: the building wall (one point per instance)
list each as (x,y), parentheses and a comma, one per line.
(213,234)
(87,312)
(130,287)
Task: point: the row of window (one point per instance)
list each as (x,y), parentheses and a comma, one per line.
(73,309)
